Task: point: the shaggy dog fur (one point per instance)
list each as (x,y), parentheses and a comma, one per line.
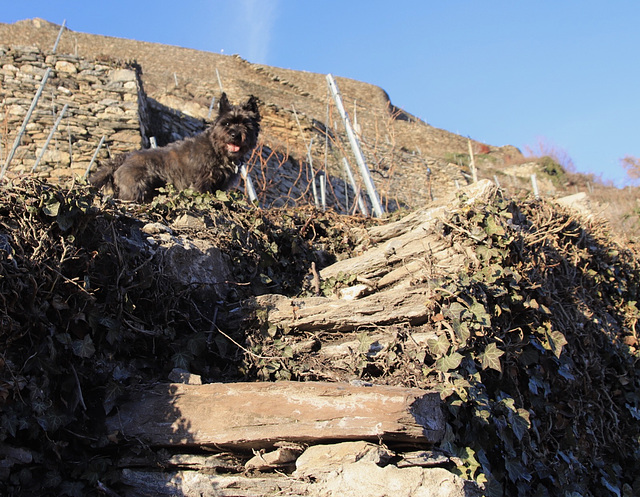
(206,162)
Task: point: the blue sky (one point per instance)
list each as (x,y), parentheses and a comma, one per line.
(559,75)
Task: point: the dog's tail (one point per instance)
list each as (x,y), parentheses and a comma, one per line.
(103,176)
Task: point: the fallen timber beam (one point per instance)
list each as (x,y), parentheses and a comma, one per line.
(337,315)
(481,191)
(411,247)
(258,415)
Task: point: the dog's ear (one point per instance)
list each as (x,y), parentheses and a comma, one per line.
(252,106)
(223,104)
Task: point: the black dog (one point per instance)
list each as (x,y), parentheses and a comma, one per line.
(206,162)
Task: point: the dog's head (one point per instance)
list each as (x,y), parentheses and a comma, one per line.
(235,130)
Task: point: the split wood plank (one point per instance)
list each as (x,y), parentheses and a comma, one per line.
(481,191)
(411,248)
(195,483)
(312,314)
(257,415)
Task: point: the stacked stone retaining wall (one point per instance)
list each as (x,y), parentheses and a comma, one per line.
(106,99)
(103,100)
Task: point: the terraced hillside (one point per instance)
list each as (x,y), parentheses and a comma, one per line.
(398,147)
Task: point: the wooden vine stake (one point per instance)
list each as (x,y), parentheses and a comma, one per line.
(314,188)
(361,204)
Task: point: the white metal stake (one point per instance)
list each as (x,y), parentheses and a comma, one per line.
(357,150)
(314,188)
(16,142)
(361,204)
(323,190)
(213,101)
(248,183)
(46,143)
(472,163)
(219,80)
(55,45)
(534,184)
(95,156)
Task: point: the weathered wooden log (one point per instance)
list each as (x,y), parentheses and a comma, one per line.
(414,256)
(376,343)
(481,191)
(257,415)
(193,483)
(411,248)
(327,314)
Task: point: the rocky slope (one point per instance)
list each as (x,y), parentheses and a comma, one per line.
(518,315)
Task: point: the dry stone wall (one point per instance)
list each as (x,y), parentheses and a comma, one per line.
(398,147)
(107,98)
(102,98)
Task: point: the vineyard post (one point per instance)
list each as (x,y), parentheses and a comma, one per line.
(355,146)
(53,130)
(95,156)
(22,129)
(361,203)
(472,163)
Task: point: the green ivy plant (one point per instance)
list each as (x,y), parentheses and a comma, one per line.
(541,389)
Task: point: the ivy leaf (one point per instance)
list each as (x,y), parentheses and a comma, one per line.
(520,422)
(556,341)
(287,352)
(51,207)
(516,470)
(10,423)
(222,196)
(272,330)
(482,414)
(470,463)
(493,228)
(492,273)
(197,345)
(635,412)
(493,488)
(537,386)
(64,339)
(480,314)
(461,330)
(182,359)
(449,362)
(439,346)
(84,348)
(490,358)
(453,311)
